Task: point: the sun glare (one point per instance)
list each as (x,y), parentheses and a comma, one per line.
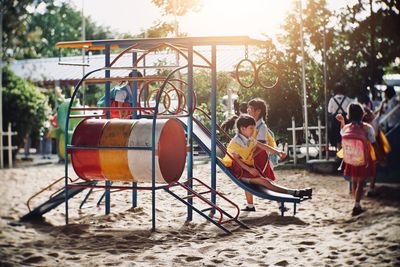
(234,17)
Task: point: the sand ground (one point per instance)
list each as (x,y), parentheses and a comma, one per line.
(323,233)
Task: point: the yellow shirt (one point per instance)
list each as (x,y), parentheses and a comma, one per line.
(242,146)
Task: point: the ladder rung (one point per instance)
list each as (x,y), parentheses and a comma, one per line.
(227,221)
(194,195)
(207,209)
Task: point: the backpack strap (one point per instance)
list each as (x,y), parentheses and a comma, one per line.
(340,105)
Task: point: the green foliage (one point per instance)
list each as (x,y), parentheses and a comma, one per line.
(370,45)
(24,106)
(202,86)
(177,7)
(33,28)
(159,29)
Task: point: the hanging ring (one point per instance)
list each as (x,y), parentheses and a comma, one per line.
(272,80)
(237,73)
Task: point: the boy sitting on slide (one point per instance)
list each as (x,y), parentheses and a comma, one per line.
(243,166)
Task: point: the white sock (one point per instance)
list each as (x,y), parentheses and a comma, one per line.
(250,205)
(357,205)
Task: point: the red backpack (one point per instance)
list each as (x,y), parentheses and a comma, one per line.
(355,145)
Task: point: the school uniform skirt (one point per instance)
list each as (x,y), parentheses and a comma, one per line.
(360,171)
(261,163)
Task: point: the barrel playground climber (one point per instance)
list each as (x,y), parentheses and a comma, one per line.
(110,149)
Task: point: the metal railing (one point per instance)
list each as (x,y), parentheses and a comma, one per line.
(9,146)
(319,144)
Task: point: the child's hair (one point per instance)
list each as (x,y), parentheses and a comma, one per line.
(390,92)
(355,112)
(244,121)
(243,108)
(239,108)
(259,104)
(338,89)
(229,123)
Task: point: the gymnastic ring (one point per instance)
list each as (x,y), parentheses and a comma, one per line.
(165,95)
(275,70)
(237,75)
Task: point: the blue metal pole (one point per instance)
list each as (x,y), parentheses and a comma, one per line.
(108,103)
(213,121)
(189,162)
(66,164)
(134,116)
(134,87)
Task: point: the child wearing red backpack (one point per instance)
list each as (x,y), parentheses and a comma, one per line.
(356,139)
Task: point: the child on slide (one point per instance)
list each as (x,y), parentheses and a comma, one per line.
(356,139)
(257,108)
(244,165)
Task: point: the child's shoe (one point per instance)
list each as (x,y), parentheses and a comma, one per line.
(307,192)
(357,211)
(372,193)
(249,209)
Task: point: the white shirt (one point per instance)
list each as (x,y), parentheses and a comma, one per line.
(262,130)
(241,140)
(122,94)
(333,106)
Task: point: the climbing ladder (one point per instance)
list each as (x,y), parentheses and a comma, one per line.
(223,218)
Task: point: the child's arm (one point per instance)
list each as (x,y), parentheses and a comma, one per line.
(251,170)
(340,118)
(272,150)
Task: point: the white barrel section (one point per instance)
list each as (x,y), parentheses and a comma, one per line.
(170,145)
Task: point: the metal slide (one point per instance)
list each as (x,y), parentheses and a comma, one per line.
(202,136)
(54,202)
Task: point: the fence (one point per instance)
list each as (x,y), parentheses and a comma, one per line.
(9,146)
(318,145)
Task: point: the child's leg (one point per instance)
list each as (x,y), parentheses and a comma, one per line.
(249,198)
(354,186)
(360,189)
(359,186)
(372,181)
(274,187)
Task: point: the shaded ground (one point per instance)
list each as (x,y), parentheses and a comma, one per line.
(323,233)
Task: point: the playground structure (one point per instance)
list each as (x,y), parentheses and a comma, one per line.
(144,148)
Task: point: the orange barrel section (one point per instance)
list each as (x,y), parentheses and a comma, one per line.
(86,163)
(170,144)
(114,163)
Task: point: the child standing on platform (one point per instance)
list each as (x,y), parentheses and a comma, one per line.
(356,139)
(245,166)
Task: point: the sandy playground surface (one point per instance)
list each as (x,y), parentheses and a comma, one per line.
(323,233)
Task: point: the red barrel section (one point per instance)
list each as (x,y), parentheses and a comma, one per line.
(86,163)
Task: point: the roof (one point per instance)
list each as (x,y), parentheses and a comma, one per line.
(151,42)
(48,69)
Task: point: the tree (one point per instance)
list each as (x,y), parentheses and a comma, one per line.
(16,14)
(369,42)
(66,25)
(172,8)
(24,106)
(34,27)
